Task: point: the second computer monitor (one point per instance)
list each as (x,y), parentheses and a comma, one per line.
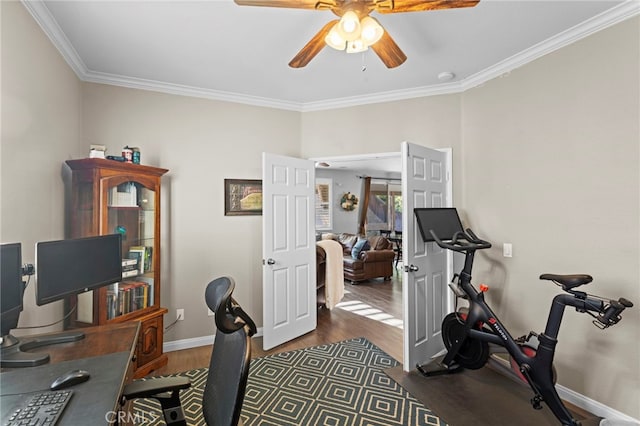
(70,267)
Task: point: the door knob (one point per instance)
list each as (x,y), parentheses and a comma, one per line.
(271,261)
(410,268)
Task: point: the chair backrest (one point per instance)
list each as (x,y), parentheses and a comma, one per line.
(230,358)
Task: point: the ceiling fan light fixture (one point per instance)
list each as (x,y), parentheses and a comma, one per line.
(349,26)
(356,46)
(372,31)
(334,39)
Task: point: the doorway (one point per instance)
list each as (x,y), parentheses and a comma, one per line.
(345,174)
(419,169)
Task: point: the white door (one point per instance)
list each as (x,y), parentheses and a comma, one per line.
(425,183)
(289,249)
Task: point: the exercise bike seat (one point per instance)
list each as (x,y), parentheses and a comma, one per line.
(568,281)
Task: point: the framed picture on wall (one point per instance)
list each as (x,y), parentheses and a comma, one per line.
(242,197)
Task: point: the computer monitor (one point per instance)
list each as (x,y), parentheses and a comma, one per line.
(70,267)
(63,268)
(444,221)
(11,293)
(11,288)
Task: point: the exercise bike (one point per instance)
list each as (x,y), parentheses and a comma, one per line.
(468,332)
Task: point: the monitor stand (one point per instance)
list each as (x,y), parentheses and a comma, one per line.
(13,350)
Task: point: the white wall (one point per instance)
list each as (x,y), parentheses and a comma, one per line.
(433,121)
(343,181)
(40,129)
(201,142)
(551,156)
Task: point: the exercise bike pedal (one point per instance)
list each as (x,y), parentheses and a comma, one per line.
(536,402)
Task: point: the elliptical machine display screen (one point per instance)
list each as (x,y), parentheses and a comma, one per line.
(444,221)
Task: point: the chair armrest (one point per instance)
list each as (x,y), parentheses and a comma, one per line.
(377,255)
(148,388)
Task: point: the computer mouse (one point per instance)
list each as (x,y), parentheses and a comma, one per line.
(70,378)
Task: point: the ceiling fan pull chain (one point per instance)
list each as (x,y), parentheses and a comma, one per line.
(364,62)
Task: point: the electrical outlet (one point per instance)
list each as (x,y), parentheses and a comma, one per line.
(180,314)
(507,250)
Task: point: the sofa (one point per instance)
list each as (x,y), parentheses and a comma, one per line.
(374,261)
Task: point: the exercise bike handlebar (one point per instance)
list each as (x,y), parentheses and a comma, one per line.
(611,313)
(462,241)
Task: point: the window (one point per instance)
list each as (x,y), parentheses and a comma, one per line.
(384,211)
(324,213)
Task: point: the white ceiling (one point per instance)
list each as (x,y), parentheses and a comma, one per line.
(219,50)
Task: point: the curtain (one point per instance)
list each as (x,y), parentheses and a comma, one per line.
(364,204)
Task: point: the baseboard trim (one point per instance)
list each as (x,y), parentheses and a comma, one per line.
(593,406)
(195,342)
(599,409)
(178,345)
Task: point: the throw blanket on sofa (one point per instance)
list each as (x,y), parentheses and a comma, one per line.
(334,278)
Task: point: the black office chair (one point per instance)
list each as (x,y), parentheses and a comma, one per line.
(228,369)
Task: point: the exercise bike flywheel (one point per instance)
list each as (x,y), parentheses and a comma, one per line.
(474,353)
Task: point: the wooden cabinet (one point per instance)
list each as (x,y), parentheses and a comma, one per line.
(107,197)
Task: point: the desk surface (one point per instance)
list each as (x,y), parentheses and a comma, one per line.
(105,352)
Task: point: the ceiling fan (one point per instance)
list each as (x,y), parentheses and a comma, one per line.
(356,31)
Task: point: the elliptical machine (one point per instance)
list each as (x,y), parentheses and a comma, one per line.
(468,332)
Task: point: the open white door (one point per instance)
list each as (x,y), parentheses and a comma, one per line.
(289,249)
(425,175)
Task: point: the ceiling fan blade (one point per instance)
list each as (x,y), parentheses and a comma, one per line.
(293,4)
(388,51)
(311,49)
(395,6)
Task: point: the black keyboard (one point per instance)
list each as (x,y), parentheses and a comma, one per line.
(43,408)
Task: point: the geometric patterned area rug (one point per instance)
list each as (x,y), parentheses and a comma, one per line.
(334,384)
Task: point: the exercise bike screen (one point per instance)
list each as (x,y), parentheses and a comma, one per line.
(444,221)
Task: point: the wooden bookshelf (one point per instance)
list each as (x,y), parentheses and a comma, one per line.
(107,197)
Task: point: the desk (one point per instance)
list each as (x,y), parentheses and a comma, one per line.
(106,353)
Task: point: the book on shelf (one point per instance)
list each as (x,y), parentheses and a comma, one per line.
(130,268)
(138,253)
(130,273)
(144,254)
(129,262)
(127,297)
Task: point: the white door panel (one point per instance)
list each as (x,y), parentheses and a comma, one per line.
(289,252)
(425,304)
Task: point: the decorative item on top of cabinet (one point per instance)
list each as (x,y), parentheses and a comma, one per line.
(106,197)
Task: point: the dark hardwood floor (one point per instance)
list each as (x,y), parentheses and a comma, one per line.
(372,309)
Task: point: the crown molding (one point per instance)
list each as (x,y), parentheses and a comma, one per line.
(182,90)
(390,96)
(606,19)
(615,15)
